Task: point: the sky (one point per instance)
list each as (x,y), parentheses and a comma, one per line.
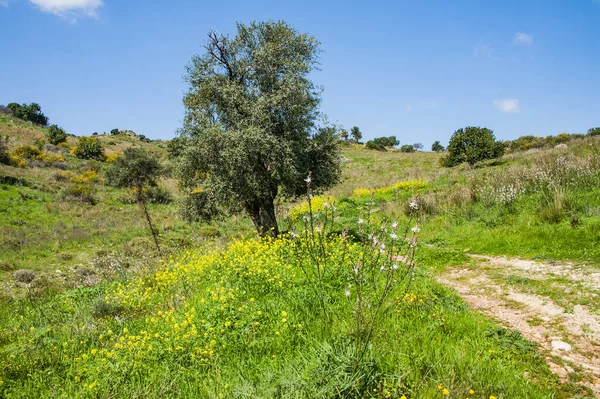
(418,70)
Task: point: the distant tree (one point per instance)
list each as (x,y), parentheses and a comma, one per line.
(251,123)
(6,111)
(437,147)
(356,134)
(417,146)
(137,170)
(114,132)
(344,134)
(29,112)
(56,135)
(391,141)
(407,148)
(95,134)
(89,148)
(472,144)
(595,131)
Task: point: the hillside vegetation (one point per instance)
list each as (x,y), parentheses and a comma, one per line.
(225,314)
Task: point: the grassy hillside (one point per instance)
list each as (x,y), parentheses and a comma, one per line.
(240,317)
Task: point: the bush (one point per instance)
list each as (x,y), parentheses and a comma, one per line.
(158,195)
(114,132)
(407,148)
(371,145)
(472,144)
(56,135)
(24,276)
(28,112)
(595,131)
(209,232)
(89,148)
(4,157)
(391,141)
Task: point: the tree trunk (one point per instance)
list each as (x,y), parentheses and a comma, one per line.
(262,213)
(142,203)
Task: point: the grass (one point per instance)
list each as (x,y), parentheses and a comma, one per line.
(238,323)
(209,320)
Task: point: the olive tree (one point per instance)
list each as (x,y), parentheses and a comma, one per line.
(137,170)
(472,144)
(251,129)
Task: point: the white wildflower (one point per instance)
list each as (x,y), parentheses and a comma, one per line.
(395,225)
(308,179)
(413,205)
(347,292)
(360,221)
(415,229)
(394,236)
(395,266)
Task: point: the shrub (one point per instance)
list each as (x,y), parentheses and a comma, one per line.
(472,144)
(29,112)
(24,276)
(114,132)
(371,145)
(407,148)
(391,141)
(89,148)
(4,157)
(56,135)
(595,131)
(5,266)
(158,195)
(209,232)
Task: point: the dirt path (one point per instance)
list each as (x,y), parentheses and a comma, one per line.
(556,305)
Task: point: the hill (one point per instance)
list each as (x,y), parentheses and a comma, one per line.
(233,316)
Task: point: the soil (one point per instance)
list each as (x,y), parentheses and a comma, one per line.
(576,330)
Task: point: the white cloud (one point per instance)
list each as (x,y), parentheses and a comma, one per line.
(508,105)
(523,38)
(69,8)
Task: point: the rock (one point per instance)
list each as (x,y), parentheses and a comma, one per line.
(560,346)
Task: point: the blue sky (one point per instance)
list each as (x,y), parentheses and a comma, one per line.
(415,69)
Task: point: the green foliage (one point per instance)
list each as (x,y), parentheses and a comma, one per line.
(114,132)
(89,148)
(136,169)
(356,134)
(176,147)
(251,121)
(595,131)
(407,148)
(417,146)
(437,147)
(472,144)
(344,134)
(4,156)
(56,135)
(391,141)
(29,112)
(372,145)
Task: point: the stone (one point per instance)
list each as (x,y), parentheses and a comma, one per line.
(560,346)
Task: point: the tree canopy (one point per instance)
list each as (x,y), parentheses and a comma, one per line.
(356,133)
(29,112)
(437,147)
(251,128)
(472,144)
